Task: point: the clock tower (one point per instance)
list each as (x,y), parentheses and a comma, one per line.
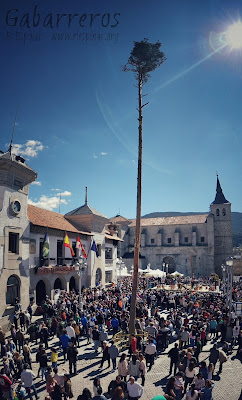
(15,178)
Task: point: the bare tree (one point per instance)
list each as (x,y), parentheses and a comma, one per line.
(144,58)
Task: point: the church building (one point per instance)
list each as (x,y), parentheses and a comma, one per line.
(190,244)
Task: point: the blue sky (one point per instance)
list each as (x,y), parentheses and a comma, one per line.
(77,120)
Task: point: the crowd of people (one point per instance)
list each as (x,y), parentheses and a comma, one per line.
(188,318)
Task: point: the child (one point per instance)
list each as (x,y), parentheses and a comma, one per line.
(54,357)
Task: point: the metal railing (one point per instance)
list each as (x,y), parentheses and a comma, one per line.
(122,340)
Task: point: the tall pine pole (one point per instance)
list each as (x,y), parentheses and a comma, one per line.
(144,58)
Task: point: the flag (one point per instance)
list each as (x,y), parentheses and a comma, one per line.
(94,248)
(79,246)
(46,246)
(67,244)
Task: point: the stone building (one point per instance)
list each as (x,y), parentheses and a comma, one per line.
(191,243)
(15,178)
(24,273)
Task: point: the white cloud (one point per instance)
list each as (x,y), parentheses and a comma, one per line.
(103,153)
(37,183)
(65,193)
(48,203)
(55,190)
(95,156)
(30,149)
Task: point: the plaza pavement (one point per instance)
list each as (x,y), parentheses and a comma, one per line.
(227,385)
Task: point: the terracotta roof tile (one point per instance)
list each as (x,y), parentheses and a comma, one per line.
(179,220)
(39,216)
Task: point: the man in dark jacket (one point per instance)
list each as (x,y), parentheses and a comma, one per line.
(214,355)
(174,358)
(72,353)
(116,383)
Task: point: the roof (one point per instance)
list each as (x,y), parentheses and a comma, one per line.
(18,160)
(119,218)
(178,220)
(219,198)
(107,236)
(39,216)
(85,210)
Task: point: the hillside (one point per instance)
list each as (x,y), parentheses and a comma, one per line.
(236,222)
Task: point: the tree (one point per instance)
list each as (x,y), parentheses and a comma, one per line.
(144,58)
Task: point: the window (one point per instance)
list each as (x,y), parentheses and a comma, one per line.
(202,239)
(13,243)
(224,212)
(217,212)
(186,239)
(13,290)
(108,253)
(98,276)
(152,241)
(59,252)
(168,240)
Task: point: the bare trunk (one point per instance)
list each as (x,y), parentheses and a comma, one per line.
(138,215)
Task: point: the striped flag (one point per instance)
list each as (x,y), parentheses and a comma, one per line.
(67,244)
(79,246)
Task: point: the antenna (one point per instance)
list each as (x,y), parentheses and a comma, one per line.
(11,143)
(59,203)
(86,197)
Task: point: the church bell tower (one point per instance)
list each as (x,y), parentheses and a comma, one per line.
(223,243)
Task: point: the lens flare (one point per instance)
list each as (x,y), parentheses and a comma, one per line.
(234,35)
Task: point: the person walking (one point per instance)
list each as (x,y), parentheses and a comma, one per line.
(123,367)
(214,355)
(43,363)
(173,353)
(142,368)
(114,353)
(27,379)
(150,352)
(106,355)
(72,354)
(65,339)
(96,338)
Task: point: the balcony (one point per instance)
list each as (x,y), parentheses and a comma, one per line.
(54,262)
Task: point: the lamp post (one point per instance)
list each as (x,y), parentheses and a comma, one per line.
(229,266)
(82,267)
(167,266)
(223,279)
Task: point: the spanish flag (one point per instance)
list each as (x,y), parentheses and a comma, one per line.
(67,244)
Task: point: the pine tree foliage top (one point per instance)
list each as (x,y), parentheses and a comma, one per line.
(144,58)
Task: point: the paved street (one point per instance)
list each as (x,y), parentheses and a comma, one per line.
(227,386)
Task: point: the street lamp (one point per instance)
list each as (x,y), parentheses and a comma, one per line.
(167,266)
(82,267)
(229,265)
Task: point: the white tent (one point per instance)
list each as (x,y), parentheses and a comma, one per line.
(177,273)
(156,273)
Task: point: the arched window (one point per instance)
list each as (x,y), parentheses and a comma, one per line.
(98,275)
(58,284)
(217,212)
(224,212)
(13,290)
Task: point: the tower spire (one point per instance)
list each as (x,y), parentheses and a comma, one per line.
(86,197)
(219,198)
